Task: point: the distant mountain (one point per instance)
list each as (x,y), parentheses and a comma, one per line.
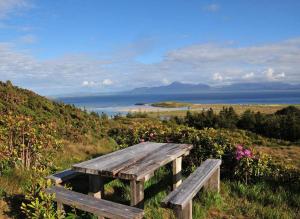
(175,87)
(178,87)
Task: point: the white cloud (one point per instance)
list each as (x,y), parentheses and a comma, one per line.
(165,81)
(206,63)
(248,75)
(10,6)
(107,82)
(212,7)
(217,77)
(271,76)
(88,83)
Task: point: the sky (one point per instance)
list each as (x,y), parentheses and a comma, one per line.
(82,46)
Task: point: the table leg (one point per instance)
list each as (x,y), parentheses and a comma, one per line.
(177,175)
(96,188)
(137,193)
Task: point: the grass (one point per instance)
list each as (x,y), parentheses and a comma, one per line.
(172,104)
(288,154)
(239,108)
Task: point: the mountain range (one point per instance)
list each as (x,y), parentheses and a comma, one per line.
(178,87)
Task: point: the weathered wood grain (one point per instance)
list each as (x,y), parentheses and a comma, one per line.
(153,161)
(111,164)
(137,193)
(181,196)
(63,176)
(98,207)
(177,175)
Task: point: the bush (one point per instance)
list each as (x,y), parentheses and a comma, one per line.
(208,143)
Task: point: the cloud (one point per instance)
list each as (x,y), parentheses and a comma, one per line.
(107,82)
(217,77)
(8,7)
(209,63)
(212,7)
(248,76)
(165,81)
(88,83)
(271,76)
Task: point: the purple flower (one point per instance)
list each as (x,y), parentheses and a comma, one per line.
(239,154)
(247,153)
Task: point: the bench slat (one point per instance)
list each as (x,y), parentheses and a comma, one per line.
(90,204)
(181,196)
(63,176)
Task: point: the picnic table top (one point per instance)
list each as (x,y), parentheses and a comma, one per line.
(136,162)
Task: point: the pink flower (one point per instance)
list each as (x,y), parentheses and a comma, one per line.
(247,153)
(151,134)
(239,154)
(142,140)
(239,147)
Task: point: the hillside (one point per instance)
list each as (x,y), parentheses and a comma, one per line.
(69,122)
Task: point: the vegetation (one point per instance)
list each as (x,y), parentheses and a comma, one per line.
(283,124)
(170,104)
(39,136)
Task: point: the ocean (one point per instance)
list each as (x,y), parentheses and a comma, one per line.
(113,104)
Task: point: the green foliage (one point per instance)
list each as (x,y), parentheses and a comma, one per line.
(284,124)
(137,115)
(69,122)
(23,142)
(38,204)
(208,143)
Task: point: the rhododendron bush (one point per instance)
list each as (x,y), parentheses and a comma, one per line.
(239,159)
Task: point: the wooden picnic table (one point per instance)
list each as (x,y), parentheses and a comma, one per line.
(137,164)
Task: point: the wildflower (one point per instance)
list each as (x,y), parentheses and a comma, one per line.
(247,153)
(239,154)
(239,147)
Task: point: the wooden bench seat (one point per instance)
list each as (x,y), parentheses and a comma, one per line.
(63,176)
(207,176)
(99,207)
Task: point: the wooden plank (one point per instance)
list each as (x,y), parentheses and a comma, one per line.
(177,175)
(63,176)
(191,186)
(160,157)
(137,193)
(98,207)
(112,163)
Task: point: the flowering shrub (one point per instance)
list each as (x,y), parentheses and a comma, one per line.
(250,166)
(239,161)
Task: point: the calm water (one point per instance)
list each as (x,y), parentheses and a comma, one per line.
(112,104)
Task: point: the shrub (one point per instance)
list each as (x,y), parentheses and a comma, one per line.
(38,204)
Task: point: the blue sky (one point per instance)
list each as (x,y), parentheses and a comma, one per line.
(54,47)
